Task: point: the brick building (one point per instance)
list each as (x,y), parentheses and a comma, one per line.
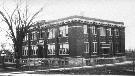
(75,36)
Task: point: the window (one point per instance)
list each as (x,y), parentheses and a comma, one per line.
(116,32)
(26,37)
(51,49)
(85,29)
(102,31)
(87,47)
(64,49)
(34,49)
(51,33)
(41,34)
(34,37)
(110,31)
(95,47)
(94,32)
(63,31)
(25,49)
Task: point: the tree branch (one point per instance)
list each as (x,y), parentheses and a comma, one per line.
(33,17)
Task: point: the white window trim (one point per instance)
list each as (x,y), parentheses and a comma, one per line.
(102,42)
(93,30)
(25,50)
(95,48)
(52,32)
(34,49)
(25,38)
(65,29)
(52,52)
(103,30)
(110,31)
(85,29)
(64,49)
(116,31)
(63,53)
(86,48)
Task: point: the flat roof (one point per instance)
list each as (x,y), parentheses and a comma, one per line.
(86,18)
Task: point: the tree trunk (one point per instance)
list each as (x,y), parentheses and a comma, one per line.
(18,52)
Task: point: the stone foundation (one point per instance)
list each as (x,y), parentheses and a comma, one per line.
(112,60)
(78,61)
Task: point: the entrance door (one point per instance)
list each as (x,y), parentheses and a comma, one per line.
(105,50)
(40,51)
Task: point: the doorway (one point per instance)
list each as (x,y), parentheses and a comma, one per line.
(40,51)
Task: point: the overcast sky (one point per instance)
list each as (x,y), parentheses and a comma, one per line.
(116,10)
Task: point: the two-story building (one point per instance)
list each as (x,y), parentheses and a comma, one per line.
(75,37)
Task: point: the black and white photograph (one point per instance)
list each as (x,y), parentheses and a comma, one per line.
(67,37)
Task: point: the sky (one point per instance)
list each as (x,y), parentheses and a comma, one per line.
(115,10)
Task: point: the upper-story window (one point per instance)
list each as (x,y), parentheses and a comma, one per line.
(34,37)
(64,49)
(116,32)
(85,29)
(110,31)
(51,49)
(63,31)
(51,33)
(94,32)
(102,31)
(26,37)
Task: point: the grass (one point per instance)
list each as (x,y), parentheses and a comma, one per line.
(107,70)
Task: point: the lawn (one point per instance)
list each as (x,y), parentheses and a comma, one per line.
(106,70)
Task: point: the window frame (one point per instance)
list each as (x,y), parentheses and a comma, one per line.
(63,31)
(87,47)
(94,31)
(95,47)
(62,50)
(102,31)
(85,29)
(51,33)
(116,32)
(52,49)
(25,50)
(110,31)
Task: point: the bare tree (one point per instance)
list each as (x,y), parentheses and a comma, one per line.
(22,23)
(3,45)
